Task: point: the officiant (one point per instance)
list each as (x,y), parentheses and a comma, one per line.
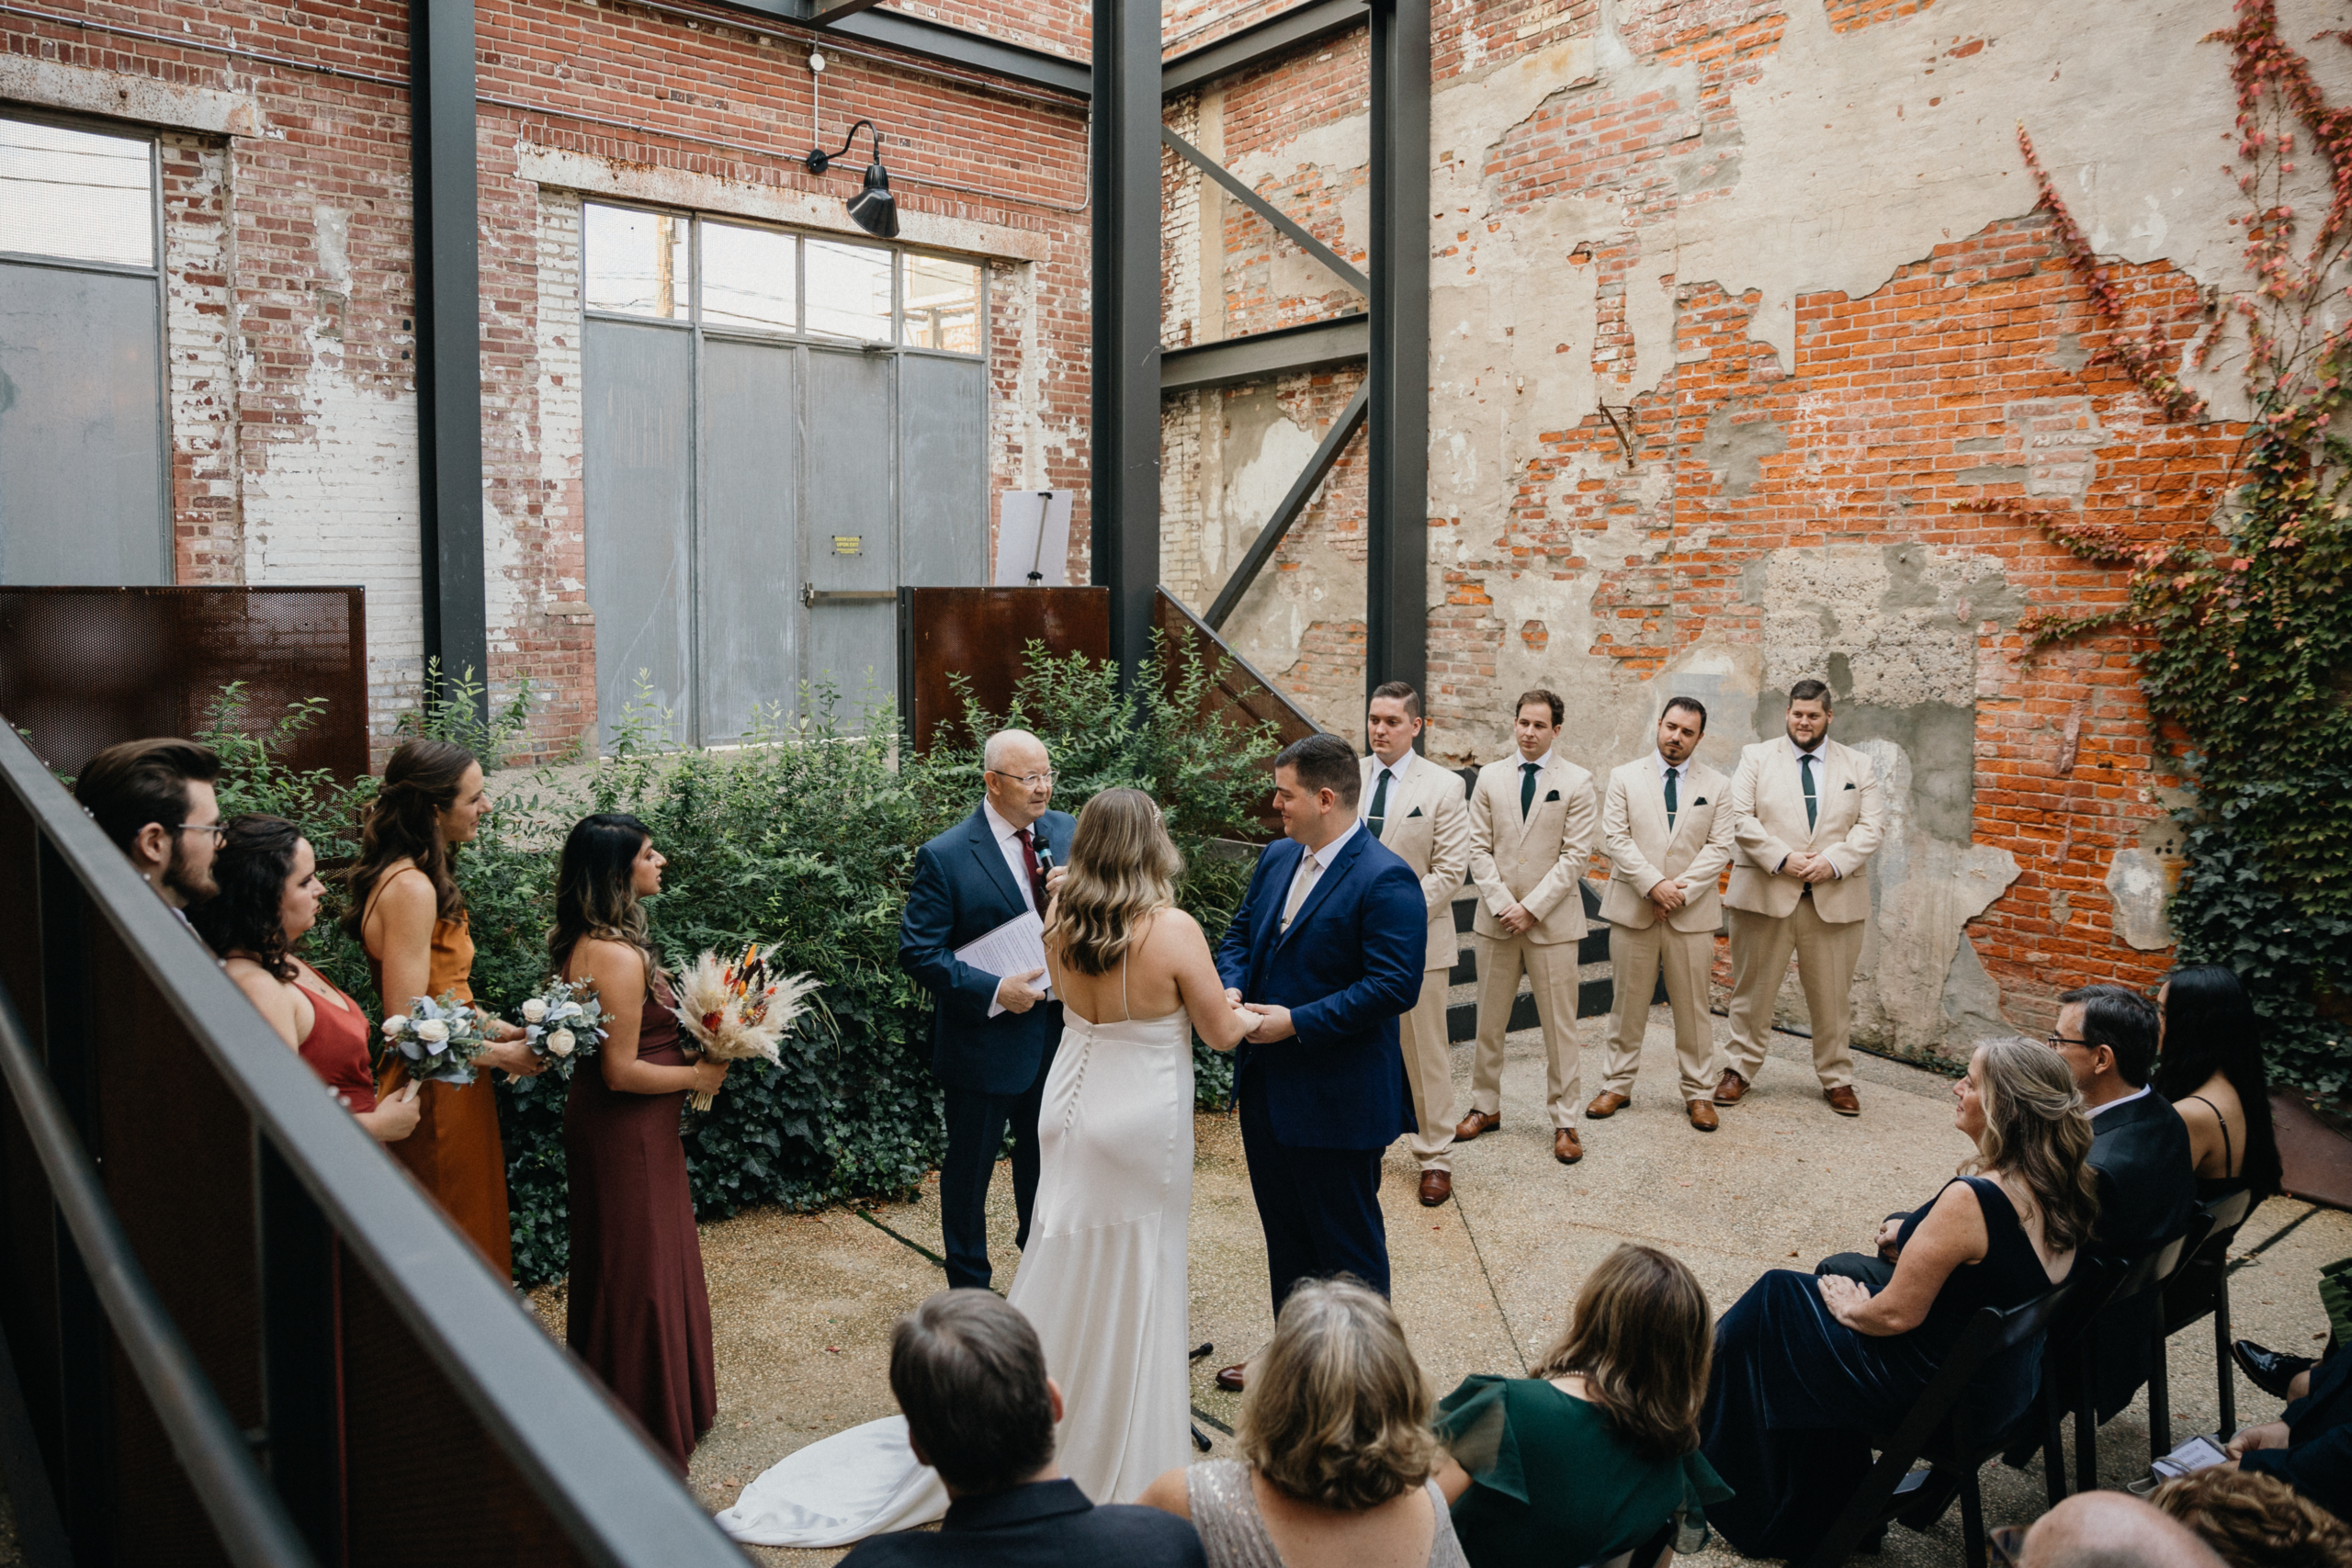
(992,1035)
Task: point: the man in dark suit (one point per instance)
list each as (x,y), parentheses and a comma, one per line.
(1327,949)
(992,1036)
(2310,1446)
(970,1377)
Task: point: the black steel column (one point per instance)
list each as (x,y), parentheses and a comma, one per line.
(1125,450)
(1397,427)
(448,335)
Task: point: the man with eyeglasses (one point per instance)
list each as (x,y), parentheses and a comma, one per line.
(155,799)
(992,1036)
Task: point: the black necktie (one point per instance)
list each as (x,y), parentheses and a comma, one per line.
(1670,806)
(1527,787)
(1812,804)
(1379,803)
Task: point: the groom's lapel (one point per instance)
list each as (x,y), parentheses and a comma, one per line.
(1323,883)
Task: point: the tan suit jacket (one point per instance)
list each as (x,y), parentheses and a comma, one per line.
(1537,862)
(1643,854)
(1429,825)
(1767,822)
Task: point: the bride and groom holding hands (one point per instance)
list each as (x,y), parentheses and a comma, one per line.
(1088,1060)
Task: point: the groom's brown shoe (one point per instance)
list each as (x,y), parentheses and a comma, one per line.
(1477,1121)
(1437,1186)
(1230,1378)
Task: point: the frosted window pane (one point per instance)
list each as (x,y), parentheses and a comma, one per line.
(942,305)
(849,291)
(76,194)
(747,278)
(636,261)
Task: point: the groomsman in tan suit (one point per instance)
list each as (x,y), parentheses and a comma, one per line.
(1532,821)
(1666,827)
(1416,807)
(1806,816)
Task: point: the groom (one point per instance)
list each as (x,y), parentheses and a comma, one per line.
(1327,950)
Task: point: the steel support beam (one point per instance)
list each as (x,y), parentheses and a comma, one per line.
(1316,346)
(1396,586)
(1283,222)
(1261,41)
(1262,548)
(1125,499)
(924,38)
(449,336)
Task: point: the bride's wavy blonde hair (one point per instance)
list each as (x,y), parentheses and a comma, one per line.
(1122,867)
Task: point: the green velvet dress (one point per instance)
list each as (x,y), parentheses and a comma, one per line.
(1552,1484)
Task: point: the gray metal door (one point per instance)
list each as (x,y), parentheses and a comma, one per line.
(81,428)
(850,499)
(943,465)
(748,613)
(639,472)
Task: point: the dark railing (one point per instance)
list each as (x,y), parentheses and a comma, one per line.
(238,1332)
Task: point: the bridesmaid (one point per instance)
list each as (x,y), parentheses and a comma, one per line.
(411,918)
(268,897)
(639,1314)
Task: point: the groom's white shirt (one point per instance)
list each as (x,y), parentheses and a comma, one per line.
(1311,866)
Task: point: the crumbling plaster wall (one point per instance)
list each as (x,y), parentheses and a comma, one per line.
(1790,245)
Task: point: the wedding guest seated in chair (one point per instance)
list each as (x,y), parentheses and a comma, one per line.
(1807,1367)
(2209,1064)
(1337,1454)
(2310,1446)
(970,1377)
(1596,1453)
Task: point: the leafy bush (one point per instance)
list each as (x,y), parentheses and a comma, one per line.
(805,838)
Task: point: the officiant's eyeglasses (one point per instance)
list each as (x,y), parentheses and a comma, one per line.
(1026,781)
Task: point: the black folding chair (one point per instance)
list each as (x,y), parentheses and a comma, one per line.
(1942,1429)
(2130,1294)
(2090,1284)
(2201,1285)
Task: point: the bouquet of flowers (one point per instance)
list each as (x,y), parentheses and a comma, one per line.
(437,1040)
(739,1011)
(565,1023)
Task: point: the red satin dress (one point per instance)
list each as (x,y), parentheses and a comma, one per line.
(640,1311)
(337,1048)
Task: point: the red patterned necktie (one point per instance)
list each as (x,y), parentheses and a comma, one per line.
(1036,872)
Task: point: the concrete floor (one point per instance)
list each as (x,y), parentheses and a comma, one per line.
(804,1303)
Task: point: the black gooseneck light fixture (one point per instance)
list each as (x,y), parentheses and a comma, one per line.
(873,208)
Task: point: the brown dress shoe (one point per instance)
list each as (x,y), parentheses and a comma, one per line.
(1230,1378)
(1703,1115)
(1843,1100)
(1564,1146)
(1730,1088)
(1437,1186)
(1477,1121)
(1608,1103)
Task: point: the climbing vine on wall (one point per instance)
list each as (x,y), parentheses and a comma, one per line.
(2245,630)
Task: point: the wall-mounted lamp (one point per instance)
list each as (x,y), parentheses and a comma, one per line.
(873,208)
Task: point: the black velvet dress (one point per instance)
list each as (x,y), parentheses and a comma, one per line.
(1793,1391)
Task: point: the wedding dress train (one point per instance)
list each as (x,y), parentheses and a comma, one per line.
(1102,1280)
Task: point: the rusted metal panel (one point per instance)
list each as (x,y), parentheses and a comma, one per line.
(983,635)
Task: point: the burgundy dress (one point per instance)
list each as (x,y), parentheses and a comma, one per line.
(639,1312)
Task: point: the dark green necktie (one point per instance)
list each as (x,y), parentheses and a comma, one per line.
(1527,787)
(1812,804)
(1671,804)
(1379,803)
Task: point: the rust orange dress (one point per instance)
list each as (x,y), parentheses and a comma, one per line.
(455,1150)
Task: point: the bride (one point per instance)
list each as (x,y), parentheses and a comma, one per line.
(1103,1276)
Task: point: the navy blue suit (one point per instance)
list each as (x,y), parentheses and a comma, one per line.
(1317,1111)
(992,1068)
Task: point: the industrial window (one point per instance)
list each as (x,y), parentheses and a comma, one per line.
(83,482)
(781,429)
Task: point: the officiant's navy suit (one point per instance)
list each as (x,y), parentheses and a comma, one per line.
(992,1068)
(1317,1111)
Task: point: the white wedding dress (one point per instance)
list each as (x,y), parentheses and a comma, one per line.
(1102,1280)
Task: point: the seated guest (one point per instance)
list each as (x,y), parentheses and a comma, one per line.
(1597,1452)
(1805,1367)
(1336,1448)
(2209,1064)
(970,1377)
(155,799)
(268,898)
(2111,1529)
(2253,1520)
(2310,1446)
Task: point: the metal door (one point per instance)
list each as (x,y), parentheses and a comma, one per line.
(849,488)
(942,468)
(638,474)
(748,612)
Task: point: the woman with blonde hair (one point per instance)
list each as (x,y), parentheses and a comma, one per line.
(1102,1278)
(1338,1459)
(1595,1451)
(1806,1366)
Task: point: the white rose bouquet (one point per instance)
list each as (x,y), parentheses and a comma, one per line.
(563,1023)
(739,1011)
(437,1040)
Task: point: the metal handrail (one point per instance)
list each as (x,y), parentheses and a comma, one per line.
(246,1513)
(617,1500)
